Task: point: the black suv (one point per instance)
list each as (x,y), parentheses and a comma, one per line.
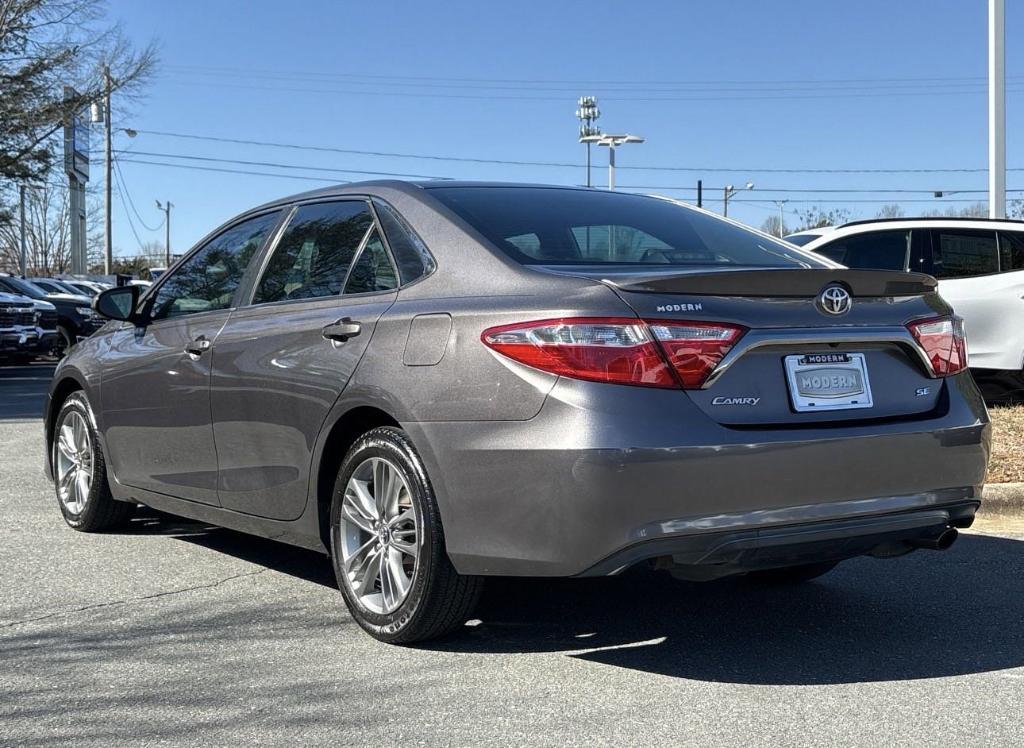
(75,318)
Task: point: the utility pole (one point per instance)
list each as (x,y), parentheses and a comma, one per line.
(700,193)
(781,203)
(167,225)
(588,114)
(996,109)
(24,244)
(108,237)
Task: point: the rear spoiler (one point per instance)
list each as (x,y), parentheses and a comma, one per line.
(777,282)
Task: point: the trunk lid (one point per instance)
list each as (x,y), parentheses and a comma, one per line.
(793,346)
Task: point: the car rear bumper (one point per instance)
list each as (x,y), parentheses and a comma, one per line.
(605,473)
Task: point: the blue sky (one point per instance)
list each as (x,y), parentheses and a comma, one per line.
(749,86)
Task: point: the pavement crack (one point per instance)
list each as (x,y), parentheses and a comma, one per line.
(132,600)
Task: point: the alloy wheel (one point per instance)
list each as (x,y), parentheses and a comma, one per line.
(379,536)
(74,462)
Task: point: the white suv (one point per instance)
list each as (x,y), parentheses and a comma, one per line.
(978,262)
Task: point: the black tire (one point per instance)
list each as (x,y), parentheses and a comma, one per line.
(439,599)
(792,574)
(100,510)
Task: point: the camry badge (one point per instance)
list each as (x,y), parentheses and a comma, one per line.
(835,300)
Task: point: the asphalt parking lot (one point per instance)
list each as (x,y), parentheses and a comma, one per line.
(174,632)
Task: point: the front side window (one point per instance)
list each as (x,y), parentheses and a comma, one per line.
(314,254)
(208,279)
(549,226)
(962,254)
(882,250)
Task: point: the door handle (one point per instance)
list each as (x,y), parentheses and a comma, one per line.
(197,346)
(342,330)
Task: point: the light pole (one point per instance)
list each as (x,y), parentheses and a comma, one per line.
(108,233)
(612,142)
(729,192)
(23,242)
(996,110)
(781,204)
(167,224)
(588,114)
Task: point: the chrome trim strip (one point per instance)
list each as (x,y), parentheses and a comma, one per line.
(753,339)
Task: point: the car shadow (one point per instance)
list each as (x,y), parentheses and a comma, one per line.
(926,615)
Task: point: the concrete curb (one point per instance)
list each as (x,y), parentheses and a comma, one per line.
(1003,498)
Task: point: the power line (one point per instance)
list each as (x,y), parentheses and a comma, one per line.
(943,91)
(279,165)
(124,186)
(131,224)
(558,164)
(234,171)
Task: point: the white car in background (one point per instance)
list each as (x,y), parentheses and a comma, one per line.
(805,237)
(978,262)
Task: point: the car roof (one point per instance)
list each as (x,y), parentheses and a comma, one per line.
(932,220)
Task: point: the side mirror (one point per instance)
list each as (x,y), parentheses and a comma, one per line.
(117,303)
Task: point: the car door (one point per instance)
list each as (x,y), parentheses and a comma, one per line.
(281,362)
(155,390)
(966,264)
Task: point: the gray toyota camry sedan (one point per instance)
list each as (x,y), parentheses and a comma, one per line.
(436,383)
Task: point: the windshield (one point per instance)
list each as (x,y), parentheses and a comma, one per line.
(24,287)
(550,226)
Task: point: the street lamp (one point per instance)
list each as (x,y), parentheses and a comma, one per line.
(612,142)
(781,204)
(167,223)
(587,114)
(729,192)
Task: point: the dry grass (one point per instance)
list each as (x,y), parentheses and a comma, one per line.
(1007,463)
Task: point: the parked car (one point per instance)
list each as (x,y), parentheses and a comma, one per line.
(436,383)
(85,287)
(18,336)
(805,237)
(979,264)
(75,316)
(54,286)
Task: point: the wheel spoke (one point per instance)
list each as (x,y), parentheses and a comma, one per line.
(371,570)
(382,478)
(82,485)
(406,515)
(399,581)
(409,549)
(354,514)
(65,443)
(67,481)
(363,499)
(354,563)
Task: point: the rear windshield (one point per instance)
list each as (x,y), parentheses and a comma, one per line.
(542,226)
(802,239)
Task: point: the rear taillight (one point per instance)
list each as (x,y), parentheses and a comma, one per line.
(943,342)
(694,348)
(662,353)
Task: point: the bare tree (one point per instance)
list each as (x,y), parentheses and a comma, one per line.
(771,226)
(47,231)
(892,210)
(45,44)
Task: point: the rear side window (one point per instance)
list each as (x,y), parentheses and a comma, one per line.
(882,250)
(413,258)
(373,270)
(548,226)
(962,254)
(313,255)
(1011,251)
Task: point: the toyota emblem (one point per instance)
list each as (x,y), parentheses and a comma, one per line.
(835,300)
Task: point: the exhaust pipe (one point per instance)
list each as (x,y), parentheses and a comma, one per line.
(940,542)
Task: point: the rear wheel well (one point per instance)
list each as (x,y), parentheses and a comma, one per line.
(343,435)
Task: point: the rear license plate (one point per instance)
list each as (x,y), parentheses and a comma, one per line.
(828,381)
